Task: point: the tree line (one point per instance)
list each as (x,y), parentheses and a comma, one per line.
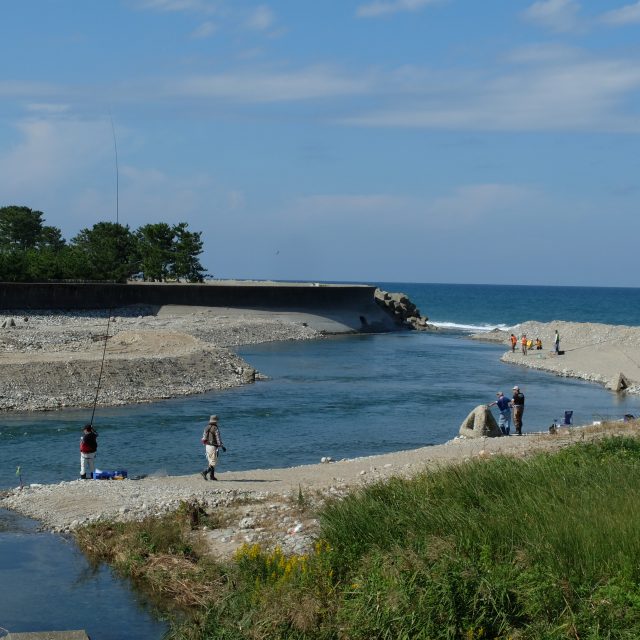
(31,251)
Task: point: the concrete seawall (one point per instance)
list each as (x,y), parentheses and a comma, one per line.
(353,303)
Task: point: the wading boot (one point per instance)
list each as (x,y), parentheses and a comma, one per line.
(204,473)
(83,476)
(212,471)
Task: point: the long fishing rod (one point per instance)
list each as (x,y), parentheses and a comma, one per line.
(106,337)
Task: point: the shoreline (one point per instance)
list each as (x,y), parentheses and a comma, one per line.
(247,500)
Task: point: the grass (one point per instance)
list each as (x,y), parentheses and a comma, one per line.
(544,548)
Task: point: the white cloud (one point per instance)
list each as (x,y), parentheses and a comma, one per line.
(29,90)
(256,87)
(386,7)
(558,15)
(43,107)
(353,206)
(629,14)
(205,30)
(478,202)
(261,18)
(194,6)
(545,53)
(52,151)
(570,95)
(466,203)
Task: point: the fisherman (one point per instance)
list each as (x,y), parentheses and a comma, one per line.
(504,406)
(88,448)
(514,342)
(556,343)
(212,441)
(538,344)
(523,342)
(518,409)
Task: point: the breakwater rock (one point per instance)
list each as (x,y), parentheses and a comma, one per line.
(404,311)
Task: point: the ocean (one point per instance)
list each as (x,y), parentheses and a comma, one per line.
(342,396)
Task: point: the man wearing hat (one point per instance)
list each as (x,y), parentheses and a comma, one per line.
(212,441)
(88,448)
(504,406)
(518,409)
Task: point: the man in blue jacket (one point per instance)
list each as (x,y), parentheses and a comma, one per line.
(504,406)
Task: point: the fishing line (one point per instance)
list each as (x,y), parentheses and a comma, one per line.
(104,353)
(115,150)
(106,336)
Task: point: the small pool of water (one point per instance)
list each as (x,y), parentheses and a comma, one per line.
(46,584)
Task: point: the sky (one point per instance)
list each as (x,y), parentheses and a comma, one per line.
(468,141)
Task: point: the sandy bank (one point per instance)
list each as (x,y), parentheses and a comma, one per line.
(594,352)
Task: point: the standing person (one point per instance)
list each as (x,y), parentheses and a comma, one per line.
(504,406)
(514,342)
(556,343)
(523,342)
(88,448)
(212,441)
(518,409)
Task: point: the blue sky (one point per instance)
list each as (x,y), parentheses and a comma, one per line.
(365,140)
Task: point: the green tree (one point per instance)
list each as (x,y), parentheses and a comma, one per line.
(20,227)
(50,238)
(110,250)
(13,266)
(156,248)
(187,247)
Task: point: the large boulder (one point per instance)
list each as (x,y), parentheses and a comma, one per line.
(480,423)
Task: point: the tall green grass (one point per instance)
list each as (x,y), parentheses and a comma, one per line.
(545,548)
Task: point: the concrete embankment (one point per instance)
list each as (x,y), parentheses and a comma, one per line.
(349,305)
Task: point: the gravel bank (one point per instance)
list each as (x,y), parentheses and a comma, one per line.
(50,361)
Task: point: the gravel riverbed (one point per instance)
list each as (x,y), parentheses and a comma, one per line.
(50,361)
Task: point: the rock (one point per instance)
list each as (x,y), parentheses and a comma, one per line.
(480,423)
(401,308)
(619,383)
(247,523)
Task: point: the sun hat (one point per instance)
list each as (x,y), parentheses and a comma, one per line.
(213,419)
(516,387)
